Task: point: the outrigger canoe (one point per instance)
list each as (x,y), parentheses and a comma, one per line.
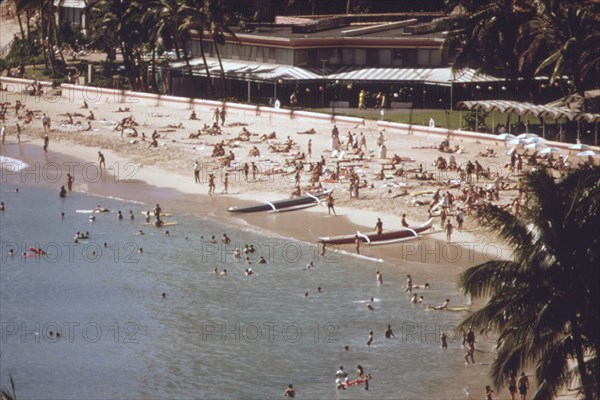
(296,203)
(387,237)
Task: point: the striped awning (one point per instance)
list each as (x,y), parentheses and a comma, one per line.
(439,76)
(248,70)
(259,71)
(523,108)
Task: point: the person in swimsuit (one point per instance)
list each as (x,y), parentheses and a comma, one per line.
(523,386)
(290,392)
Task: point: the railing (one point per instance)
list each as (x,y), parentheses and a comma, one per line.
(6,49)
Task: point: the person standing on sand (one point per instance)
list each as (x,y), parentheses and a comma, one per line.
(379,227)
(362,142)
(523,386)
(512,386)
(18,133)
(357,243)
(488,393)
(211,184)
(3,133)
(70,180)
(330,204)
(197,172)
(309,150)
(101,161)
(216,115)
(225,183)
(449,229)
(223,115)
(46,143)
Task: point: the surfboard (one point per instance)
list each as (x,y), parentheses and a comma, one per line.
(163,225)
(36,251)
(429,308)
(152,214)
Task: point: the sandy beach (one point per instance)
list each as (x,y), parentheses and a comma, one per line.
(164,174)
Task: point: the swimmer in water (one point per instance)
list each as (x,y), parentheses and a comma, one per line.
(388,332)
(167,233)
(216,271)
(119,215)
(164,295)
(62,215)
(1,206)
(319,289)
(131,217)
(370,338)
(415,299)
(224,272)
(11,252)
(141,250)
(236,254)
(261,260)
(140,232)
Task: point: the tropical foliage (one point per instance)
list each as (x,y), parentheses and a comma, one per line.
(523,38)
(543,302)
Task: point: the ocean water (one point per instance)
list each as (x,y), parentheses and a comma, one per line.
(211,336)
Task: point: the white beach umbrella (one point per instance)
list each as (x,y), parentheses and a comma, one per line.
(535,140)
(527,135)
(517,142)
(505,136)
(549,150)
(579,146)
(535,146)
(588,153)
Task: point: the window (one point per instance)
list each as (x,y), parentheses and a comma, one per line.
(360,56)
(385,56)
(301,57)
(423,57)
(398,58)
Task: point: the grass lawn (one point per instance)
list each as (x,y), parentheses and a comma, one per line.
(442,118)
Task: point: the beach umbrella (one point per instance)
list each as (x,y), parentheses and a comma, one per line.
(505,136)
(549,150)
(588,153)
(517,142)
(579,146)
(535,140)
(535,146)
(526,135)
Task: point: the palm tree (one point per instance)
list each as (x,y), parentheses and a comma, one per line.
(486,33)
(563,39)
(543,302)
(119,23)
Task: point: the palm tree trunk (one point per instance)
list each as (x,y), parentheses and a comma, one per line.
(153,79)
(20,24)
(221,68)
(42,25)
(56,38)
(28,16)
(206,69)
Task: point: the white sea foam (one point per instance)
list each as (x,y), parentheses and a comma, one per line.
(12,164)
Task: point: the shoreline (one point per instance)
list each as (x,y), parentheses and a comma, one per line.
(178,192)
